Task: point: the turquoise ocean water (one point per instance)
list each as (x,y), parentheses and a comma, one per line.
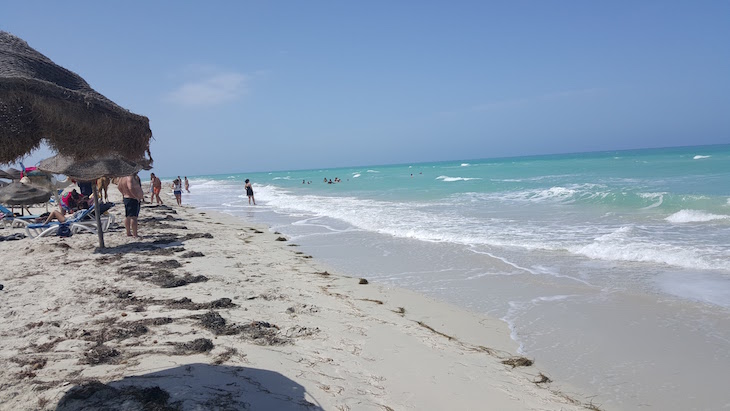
(612,269)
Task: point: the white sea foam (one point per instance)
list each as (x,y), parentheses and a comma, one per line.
(465,164)
(534,270)
(699,157)
(658,197)
(450,179)
(625,244)
(560,193)
(554,194)
(694,216)
(356,175)
(373,171)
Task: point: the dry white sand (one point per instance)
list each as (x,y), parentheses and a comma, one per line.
(206,312)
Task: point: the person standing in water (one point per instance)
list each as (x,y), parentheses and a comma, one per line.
(187,184)
(249,192)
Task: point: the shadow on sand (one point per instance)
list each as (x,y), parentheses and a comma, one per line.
(192,387)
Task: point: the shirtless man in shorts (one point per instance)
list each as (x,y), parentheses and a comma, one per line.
(132,192)
(156,188)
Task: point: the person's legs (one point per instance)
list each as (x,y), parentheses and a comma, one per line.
(133,224)
(131,210)
(58,215)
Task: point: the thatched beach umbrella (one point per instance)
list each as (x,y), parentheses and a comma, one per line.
(41,101)
(19,194)
(85,170)
(5,175)
(12,173)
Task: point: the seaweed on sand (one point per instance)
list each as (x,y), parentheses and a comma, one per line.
(258,332)
(162,277)
(518,362)
(199,345)
(191,254)
(100,354)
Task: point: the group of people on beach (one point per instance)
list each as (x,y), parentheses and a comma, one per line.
(134,196)
(177,187)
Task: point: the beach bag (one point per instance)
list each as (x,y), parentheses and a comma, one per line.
(64,230)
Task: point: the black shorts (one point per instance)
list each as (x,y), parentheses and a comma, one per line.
(131,207)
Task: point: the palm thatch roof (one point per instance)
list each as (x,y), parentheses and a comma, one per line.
(90,169)
(16,194)
(12,173)
(40,100)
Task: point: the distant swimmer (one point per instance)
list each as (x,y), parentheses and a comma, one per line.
(249,192)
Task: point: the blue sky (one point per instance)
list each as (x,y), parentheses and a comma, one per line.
(263,85)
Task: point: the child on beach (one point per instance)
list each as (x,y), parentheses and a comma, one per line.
(249,192)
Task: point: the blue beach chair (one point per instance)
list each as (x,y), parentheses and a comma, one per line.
(73,223)
(10,218)
(107,219)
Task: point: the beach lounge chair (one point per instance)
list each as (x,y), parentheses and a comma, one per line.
(9,218)
(107,219)
(51,228)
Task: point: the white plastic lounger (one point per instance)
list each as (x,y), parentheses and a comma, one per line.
(44,230)
(51,228)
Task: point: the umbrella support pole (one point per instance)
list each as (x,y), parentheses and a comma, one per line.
(98,217)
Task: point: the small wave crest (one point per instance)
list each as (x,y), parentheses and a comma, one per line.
(356,175)
(694,216)
(465,164)
(699,157)
(626,244)
(658,199)
(450,179)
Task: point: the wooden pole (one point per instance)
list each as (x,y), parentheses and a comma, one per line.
(98,216)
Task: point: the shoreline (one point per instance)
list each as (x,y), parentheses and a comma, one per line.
(265,326)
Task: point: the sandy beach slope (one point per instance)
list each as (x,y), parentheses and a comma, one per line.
(205,312)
